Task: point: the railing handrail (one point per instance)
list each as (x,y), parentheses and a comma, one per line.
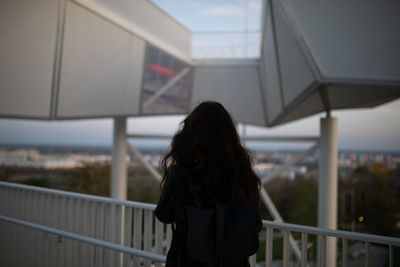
(107,200)
(276,225)
(86,239)
(387,240)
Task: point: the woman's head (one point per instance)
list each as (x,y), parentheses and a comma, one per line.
(208,149)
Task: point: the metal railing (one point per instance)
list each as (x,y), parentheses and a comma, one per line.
(62,228)
(345,236)
(125,223)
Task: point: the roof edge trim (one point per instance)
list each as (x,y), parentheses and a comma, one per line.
(131,28)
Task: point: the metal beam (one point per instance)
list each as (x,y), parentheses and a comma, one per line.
(277,217)
(165,88)
(247,138)
(148,166)
(118,165)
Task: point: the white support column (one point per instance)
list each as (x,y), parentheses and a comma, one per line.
(328,185)
(118,167)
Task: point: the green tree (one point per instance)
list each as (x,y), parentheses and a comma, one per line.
(303,199)
(91,178)
(377,207)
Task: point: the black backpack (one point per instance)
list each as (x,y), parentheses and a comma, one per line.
(223,235)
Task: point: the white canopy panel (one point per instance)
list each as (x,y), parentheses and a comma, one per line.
(319,56)
(233,83)
(102,68)
(28,32)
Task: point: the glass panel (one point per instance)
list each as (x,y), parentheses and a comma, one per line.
(166,84)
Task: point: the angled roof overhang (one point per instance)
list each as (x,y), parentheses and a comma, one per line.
(319,55)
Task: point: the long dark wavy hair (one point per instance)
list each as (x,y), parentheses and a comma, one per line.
(208,151)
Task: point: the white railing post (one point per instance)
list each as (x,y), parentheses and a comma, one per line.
(328,185)
(137,232)
(148,234)
(344,252)
(268,246)
(303,249)
(118,166)
(127,234)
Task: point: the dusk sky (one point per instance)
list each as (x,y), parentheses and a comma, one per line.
(360,129)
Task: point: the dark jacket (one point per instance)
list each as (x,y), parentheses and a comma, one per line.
(176,194)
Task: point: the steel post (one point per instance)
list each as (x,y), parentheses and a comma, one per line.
(328,186)
(118,167)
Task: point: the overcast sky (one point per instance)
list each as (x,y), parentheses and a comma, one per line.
(366,129)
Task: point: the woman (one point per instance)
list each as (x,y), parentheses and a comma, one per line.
(206,165)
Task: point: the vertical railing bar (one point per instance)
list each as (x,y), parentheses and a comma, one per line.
(366,253)
(56,221)
(158,238)
(100,234)
(36,234)
(44,220)
(323,251)
(24,232)
(47,237)
(268,246)
(253,260)
(2,241)
(70,221)
(29,239)
(3,246)
(344,252)
(127,234)
(9,233)
(137,233)
(303,249)
(92,224)
(148,227)
(110,222)
(285,248)
(15,229)
(86,231)
(390,256)
(63,219)
(169,235)
(117,229)
(53,218)
(76,229)
(40,221)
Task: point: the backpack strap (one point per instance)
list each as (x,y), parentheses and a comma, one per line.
(220,233)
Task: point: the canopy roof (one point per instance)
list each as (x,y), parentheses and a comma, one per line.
(84,59)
